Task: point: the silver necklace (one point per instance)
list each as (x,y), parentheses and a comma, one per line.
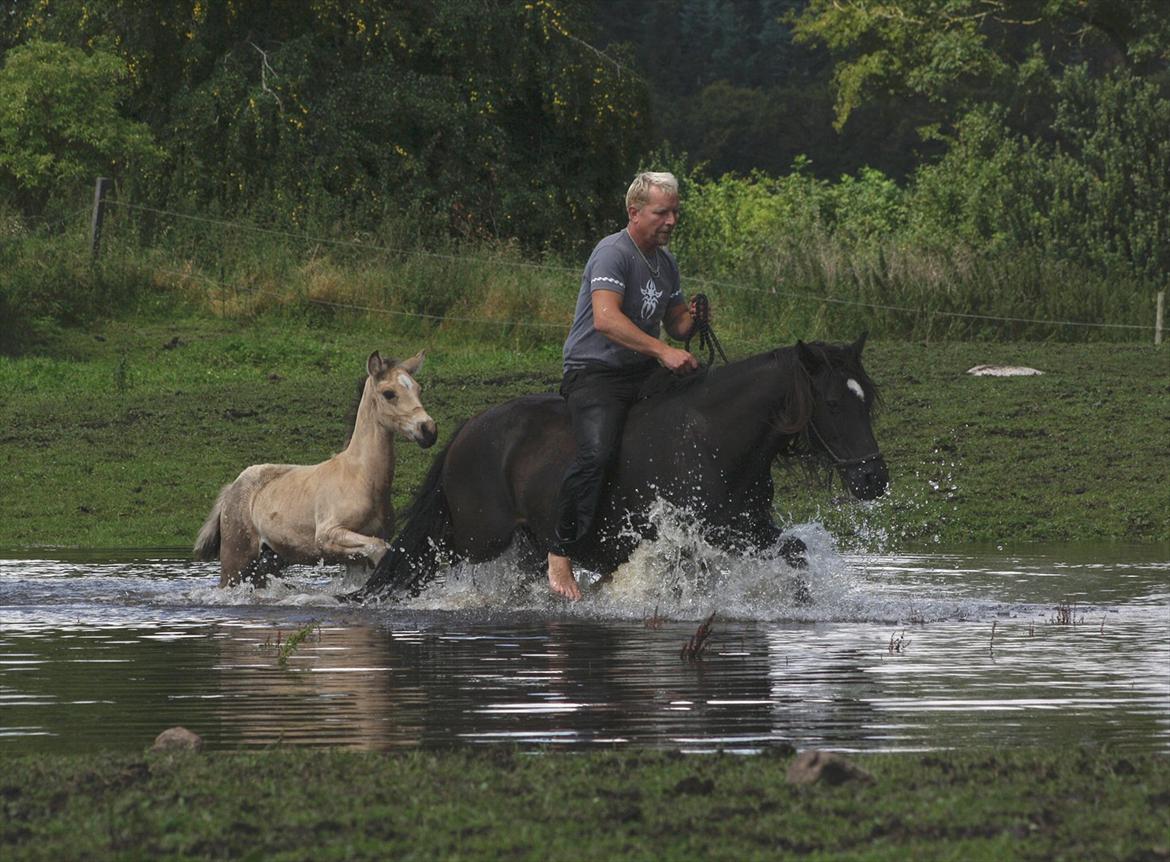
(654,270)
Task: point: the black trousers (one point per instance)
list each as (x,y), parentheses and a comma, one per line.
(598,399)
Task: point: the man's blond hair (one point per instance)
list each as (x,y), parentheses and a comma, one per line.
(638,194)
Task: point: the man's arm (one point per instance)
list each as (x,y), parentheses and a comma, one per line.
(611,321)
(679,323)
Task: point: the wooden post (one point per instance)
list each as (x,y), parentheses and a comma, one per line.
(1158,317)
(100,190)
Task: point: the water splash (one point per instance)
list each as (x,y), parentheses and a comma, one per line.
(682,575)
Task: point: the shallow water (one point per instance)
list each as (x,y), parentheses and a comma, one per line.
(941,649)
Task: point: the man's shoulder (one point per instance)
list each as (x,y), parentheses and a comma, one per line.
(609,245)
(609,260)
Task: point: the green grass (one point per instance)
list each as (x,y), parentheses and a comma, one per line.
(502,804)
(120,435)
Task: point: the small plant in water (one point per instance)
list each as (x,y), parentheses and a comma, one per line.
(286,647)
(655,621)
(898,643)
(295,639)
(693,649)
(1066,615)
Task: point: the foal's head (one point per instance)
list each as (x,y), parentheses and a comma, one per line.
(394,397)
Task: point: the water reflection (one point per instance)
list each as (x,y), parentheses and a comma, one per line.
(105,655)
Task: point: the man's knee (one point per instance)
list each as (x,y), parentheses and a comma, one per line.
(590,464)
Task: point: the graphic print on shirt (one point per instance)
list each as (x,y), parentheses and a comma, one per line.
(650,297)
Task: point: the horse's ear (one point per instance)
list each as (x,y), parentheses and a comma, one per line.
(411,366)
(809,358)
(374,365)
(859,344)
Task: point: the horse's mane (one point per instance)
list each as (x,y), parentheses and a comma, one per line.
(795,382)
(844,357)
(665,382)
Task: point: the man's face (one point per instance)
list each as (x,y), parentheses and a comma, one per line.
(651,225)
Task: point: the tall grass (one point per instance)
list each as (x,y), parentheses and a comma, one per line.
(776,264)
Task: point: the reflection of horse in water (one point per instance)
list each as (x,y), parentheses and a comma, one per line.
(704,443)
(349,684)
(276,514)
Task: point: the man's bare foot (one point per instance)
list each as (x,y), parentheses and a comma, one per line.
(560,577)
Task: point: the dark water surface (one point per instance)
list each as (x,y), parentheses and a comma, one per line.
(945,649)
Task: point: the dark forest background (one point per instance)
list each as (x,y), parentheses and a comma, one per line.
(941,151)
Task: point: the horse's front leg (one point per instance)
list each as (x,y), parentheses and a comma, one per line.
(767,536)
(338,541)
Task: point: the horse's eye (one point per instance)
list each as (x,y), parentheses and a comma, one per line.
(389,394)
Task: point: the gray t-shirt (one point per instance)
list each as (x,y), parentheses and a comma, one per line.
(617,265)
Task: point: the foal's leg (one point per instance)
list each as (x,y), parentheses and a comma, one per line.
(266,563)
(338,541)
(239,546)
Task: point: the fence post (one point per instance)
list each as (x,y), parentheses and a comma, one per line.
(100,190)
(1158,317)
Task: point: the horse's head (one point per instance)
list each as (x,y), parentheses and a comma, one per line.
(395,398)
(839,429)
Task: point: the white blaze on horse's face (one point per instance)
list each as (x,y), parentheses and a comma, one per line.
(855,388)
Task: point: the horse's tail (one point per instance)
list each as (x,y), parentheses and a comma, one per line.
(207,542)
(413,557)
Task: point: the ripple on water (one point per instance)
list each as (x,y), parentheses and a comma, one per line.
(896,651)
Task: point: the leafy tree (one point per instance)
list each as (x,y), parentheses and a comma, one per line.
(454,116)
(1095,190)
(730,87)
(60,123)
(953,53)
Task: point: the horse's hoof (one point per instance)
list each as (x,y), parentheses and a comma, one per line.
(794,552)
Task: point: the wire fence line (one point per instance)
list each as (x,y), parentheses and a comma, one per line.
(339,243)
(46,226)
(709,283)
(353,306)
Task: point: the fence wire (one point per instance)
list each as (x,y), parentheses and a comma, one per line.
(699,281)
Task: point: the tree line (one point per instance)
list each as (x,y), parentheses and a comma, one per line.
(953,130)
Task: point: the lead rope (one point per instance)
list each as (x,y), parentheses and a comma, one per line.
(707,337)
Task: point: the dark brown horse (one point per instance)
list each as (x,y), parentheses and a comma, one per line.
(704,443)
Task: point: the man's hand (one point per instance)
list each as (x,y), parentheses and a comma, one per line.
(707,313)
(678,361)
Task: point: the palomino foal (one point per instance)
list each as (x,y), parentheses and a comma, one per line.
(339,510)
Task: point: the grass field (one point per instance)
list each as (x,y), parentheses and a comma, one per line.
(121,434)
(498,804)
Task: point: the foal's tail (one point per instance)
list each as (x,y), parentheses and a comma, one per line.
(207,542)
(413,557)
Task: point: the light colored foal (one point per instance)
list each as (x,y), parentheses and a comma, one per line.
(340,510)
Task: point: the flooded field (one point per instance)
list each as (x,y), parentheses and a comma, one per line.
(943,649)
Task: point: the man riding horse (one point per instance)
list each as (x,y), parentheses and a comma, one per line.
(574,475)
(629,291)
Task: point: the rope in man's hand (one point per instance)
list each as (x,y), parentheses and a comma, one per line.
(701,312)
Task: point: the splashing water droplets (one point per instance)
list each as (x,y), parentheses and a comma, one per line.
(680,572)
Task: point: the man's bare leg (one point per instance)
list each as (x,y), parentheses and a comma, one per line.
(560,577)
